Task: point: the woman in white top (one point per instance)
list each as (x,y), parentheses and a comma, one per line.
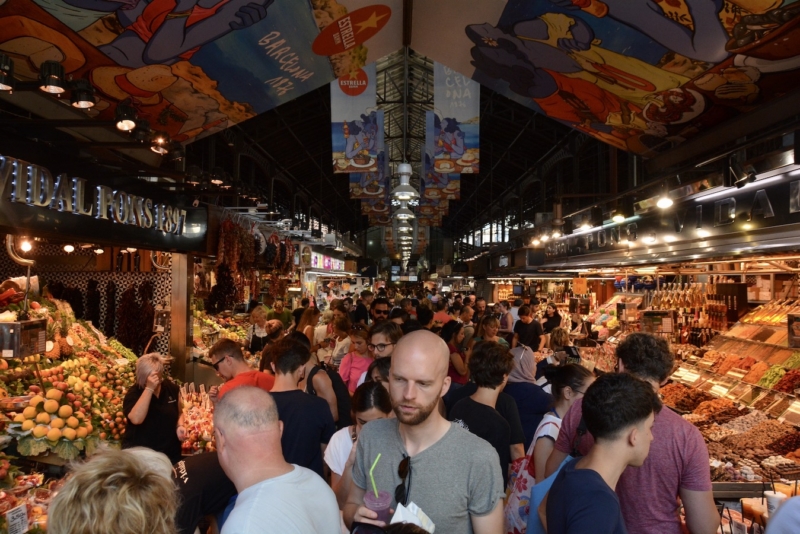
(371,401)
(340,340)
(568,383)
(320,334)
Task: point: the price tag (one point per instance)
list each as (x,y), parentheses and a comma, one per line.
(8,353)
(738,528)
(122,361)
(580,286)
(17,520)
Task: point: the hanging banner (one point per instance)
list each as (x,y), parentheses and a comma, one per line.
(375,183)
(456,122)
(356,132)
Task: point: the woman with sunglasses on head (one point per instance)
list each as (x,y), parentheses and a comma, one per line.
(569,383)
(371,401)
(340,340)
(357,361)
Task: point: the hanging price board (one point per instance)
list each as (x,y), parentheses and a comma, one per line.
(580,286)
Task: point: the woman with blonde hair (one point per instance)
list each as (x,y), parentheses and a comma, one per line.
(259,331)
(487,331)
(116,491)
(152,407)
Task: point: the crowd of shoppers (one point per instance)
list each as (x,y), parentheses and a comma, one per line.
(464,432)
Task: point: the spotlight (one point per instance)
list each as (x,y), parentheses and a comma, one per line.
(125,116)
(664,201)
(131,249)
(51,76)
(585,224)
(217,176)
(545,238)
(159,143)
(742,176)
(25,245)
(69,249)
(98,251)
(649,239)
(556,234)
(536,242)
(702,232)
(624,210)
(193,174)
(141,131)
(6,73)
(81,94)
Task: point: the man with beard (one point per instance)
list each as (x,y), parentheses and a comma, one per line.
(380,310)
(451,474)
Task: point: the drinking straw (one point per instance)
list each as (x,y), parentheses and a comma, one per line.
(730,517)
(772,482)
(372,478)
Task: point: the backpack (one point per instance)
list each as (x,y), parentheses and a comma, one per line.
(339,389)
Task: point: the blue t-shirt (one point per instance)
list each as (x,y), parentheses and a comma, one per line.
(532,402)
(580,501)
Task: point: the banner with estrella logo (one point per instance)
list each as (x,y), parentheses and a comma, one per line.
(357,136)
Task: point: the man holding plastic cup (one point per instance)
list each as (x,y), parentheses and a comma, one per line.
(450,474)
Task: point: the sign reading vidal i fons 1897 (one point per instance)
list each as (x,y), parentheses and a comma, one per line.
(32,199)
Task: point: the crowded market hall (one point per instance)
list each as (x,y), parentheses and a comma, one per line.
(247,288)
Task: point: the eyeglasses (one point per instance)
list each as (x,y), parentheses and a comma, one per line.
(403,471)
(380,347)
(216,365)
(381,312)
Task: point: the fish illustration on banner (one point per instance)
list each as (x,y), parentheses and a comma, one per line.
(641,75)
(455,131)
(356,128)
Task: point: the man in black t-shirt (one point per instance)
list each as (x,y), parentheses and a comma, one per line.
(204,489)
(527,331)
(298,313)
(307,421)
(489,368)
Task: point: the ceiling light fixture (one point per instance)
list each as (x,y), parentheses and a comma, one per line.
(650,239)
(556,234)
(596,216)
(193,174)
(160,143)
(702,232)
(404,213)
(664,201)
(125,115)
(141,131)
(25,245)
(545,238)
(6,73)
(536,242)
(742,177)
(404,191)
(69,249)
(585,224)
(81,94)
(51,77)
(98,251)
(131,249)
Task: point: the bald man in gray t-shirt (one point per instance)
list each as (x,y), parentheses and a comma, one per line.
(454,476)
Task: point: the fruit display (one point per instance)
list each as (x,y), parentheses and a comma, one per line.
(198,419)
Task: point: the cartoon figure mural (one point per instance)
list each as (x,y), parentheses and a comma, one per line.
(641,75)
(193,67)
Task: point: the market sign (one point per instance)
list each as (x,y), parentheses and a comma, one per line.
(744,215)
(32,199)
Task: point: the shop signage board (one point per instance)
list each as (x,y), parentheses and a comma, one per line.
(33,199)
(580,286)
(745,214)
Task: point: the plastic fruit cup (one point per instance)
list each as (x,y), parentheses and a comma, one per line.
(379,504)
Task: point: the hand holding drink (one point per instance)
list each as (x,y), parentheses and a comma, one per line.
(378,501)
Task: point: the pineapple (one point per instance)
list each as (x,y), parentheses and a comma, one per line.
(53,350)
(51,331)
(66,346)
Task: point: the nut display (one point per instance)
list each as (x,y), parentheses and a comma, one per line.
(787,444)
(746,422)
(759,436)
(712,406)
(683,398)
(756,373)
(789,382)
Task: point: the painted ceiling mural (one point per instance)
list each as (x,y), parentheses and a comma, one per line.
(194,67)
(641,75)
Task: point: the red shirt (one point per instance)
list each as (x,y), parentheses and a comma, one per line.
(442,317)
(451,370)
(249,378)
(678,459)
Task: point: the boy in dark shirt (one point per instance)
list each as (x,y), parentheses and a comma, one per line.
(489,367)
(528,331)
(619,410)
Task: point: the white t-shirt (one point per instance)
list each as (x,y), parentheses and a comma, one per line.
(549,427)
(338,450)
(362,379)
(341,349)
(298,502)
(786,519)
